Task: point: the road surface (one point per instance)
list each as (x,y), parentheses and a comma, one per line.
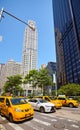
(63,119)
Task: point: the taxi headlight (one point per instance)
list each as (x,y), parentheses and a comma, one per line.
(18,110)
(31,107)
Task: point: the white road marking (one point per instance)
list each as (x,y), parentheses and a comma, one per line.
(72,120)
(33,126)
(42,122)
(76,126)
(53,120)
(61,118)
(3,118)
(16,127)
(47,115)
(49,119)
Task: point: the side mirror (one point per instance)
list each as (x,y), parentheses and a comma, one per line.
(8,104)
(37,102)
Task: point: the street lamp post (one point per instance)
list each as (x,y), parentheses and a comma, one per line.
(4,11)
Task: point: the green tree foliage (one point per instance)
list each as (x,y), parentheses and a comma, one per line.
(31,78)
(44,80)
(12,84)
(39,78)
(70,90)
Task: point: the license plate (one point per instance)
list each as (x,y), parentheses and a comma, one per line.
(27,115)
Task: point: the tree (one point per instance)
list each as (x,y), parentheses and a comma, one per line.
(12,84)
(39,78)
(31,78)
(44,80)
(70,90)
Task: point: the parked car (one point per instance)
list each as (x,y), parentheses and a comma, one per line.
(15,108)
(57,103)
(42,105)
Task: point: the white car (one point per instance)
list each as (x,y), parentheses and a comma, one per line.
(42,105)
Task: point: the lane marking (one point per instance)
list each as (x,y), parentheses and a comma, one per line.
(49,119)
(42,122)
(48,115)
(16,127)
(61,118)
(3,118)
(76,126)
(72,120)
(33,126)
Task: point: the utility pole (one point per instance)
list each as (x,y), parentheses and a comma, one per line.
(4,11)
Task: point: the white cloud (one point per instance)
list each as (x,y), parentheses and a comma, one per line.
(0,38)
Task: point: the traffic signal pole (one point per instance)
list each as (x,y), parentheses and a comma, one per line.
(4,11)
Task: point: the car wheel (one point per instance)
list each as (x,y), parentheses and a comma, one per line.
(42,109)
(71,105)
(1,113)
(11,118)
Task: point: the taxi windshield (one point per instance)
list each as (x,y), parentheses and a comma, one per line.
(51,97)
(18,101)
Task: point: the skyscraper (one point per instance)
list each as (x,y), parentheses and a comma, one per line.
(29,54)
(66,15)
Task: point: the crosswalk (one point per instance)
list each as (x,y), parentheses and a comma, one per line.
(41,121)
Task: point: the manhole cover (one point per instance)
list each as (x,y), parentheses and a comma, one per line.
(59,125)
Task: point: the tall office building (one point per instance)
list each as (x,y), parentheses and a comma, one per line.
(29,54)
(66,15)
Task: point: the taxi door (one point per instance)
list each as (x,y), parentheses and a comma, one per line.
(7,105)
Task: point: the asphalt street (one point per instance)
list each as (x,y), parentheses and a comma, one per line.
(63,119)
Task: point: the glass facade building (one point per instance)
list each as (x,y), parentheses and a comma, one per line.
(66,14)
(51,66)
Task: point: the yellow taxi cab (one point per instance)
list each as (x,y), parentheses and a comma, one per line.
(67,101)
(15,108)
(57,103)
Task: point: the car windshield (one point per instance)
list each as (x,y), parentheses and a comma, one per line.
(42,101)
(52,98)
(18,101)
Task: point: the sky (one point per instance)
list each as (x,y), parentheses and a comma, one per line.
(12,30)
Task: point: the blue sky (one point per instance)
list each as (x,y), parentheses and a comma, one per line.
(12,31)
